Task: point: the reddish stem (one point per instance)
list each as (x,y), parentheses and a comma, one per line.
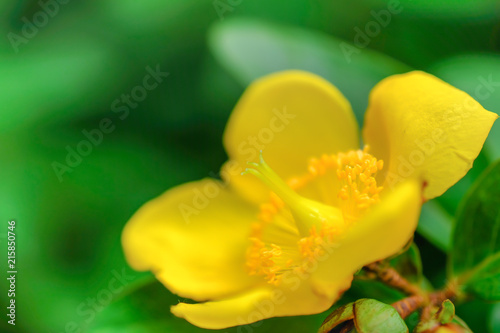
(391,277)
(410,304)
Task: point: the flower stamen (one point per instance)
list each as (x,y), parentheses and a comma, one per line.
(356,170)
(306,212)
(349,181)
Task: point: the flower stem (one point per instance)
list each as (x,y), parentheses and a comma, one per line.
(410,304)
(417,298)
(392,278)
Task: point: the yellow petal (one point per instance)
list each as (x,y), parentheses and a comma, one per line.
(255,305)
(194,238)
(291,116)
(378,235)
(225,313)
(424,128)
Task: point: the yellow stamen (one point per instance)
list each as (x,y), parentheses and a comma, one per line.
(314,245)
(356,171)
(320,226)
(307,213)
(262,259)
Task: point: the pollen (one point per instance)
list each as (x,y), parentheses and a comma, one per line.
(314,246)
(346,181)
(262,259)
(356,191)
(356,171)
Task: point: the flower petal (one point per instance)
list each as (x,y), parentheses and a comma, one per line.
(225,313)
(255,305)
(291,116)
(194,238)
(378,235)
(424,128)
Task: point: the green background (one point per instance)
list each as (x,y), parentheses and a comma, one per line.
(62,77)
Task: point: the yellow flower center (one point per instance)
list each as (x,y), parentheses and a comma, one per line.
(356,171)
(347,186)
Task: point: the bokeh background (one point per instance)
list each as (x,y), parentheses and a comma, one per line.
(63,64)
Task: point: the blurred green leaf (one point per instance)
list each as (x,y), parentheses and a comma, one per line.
(250,49)
(69,230)
(435,225)
(475,254)
(39,86)
(146,309)
(447,9)
(409,34)
(409,264)
(462,324)
(474,314)
(298,12)
(495,318)
(485,281)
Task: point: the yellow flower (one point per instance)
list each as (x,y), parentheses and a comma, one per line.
(288,241)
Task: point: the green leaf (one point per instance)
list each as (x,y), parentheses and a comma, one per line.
(475,314)
(474,257)
(146,309)
(368,316)
(495,318)
(409,264)
(56,82)
(446,9)
(442,316)
(374,316)
(71,233)
(465,328)
(485,280)
(251,49)
(446,312)
(337,317)
(435,225)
